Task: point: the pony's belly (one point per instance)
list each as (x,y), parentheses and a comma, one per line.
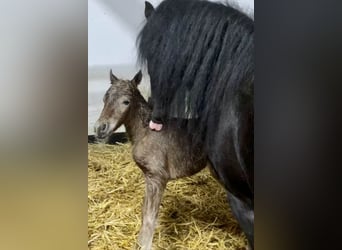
(180,169)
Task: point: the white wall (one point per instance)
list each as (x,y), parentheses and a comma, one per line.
(113,26)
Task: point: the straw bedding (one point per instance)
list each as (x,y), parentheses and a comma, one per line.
(194,213)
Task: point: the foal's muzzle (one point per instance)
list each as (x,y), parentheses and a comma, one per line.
(101,129)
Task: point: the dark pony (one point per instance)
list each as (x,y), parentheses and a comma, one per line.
(200,58)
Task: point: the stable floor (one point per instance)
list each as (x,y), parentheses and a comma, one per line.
(194,213)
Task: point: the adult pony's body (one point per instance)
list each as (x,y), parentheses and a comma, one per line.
(200,58)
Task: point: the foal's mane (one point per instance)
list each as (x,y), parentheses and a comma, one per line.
(143,108)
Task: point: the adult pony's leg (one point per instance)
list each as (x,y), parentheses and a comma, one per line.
(242,208)
(245,216)
(240,196)
(229,145)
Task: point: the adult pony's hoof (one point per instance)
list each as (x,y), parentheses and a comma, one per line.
(155,126)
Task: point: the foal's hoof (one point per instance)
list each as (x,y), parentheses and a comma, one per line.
(155,126)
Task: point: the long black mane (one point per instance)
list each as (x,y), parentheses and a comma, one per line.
(200,56)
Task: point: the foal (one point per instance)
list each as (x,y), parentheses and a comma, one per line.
(162,156)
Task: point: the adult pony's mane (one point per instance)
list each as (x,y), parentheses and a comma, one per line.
(200,59)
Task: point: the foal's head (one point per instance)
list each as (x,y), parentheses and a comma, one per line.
(117,102)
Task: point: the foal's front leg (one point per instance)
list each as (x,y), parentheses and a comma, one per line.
(155,187)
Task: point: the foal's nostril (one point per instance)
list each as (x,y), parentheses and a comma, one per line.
(103,127)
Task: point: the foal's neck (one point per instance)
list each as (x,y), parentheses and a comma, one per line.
(136,122)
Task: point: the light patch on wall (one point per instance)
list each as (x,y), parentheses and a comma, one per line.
(109,41)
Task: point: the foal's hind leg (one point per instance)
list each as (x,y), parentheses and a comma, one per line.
(155,187)
(245,216)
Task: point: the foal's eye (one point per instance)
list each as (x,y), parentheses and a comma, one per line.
(126,102)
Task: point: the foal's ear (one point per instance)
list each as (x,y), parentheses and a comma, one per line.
(149,9)
(113,78)
(137,78)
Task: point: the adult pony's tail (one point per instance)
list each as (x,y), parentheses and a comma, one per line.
(199,56)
